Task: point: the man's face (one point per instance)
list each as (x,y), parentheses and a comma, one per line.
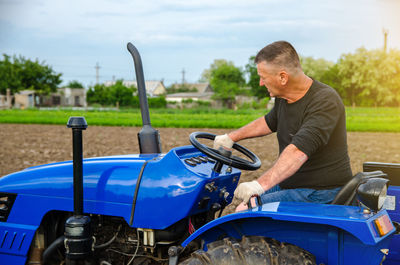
(269,77)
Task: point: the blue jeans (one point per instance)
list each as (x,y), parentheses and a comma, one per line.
(275,194)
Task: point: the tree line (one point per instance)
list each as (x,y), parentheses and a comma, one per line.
(362,78)
(120,95)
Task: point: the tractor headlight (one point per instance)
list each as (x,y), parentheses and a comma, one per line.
(372,193)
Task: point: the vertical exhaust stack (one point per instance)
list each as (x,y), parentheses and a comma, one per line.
(149,138)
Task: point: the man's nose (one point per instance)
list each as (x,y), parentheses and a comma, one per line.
(261,83)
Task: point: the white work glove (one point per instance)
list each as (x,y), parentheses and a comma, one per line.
(224,141)
(246,190)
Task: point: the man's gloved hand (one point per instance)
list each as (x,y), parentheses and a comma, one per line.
(246,190)
(224,141)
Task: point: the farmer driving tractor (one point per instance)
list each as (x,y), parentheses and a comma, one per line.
(309,118)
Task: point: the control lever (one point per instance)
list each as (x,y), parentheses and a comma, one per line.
(225,152)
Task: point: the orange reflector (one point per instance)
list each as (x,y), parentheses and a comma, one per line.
(383,225)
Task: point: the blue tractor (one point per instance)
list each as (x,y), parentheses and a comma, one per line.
(161,208)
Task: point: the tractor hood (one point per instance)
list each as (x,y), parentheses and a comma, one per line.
(168,185)
(118,173)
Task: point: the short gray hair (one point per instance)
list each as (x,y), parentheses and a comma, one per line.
(281,53)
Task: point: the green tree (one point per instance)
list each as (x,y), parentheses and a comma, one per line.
(121,94)
(10,75)
(116,94)
(390,79)
(97,95)
(254,80)
(227,81)
(315,68)
(363,78)
(370,78)
(18,73)
(331,78)
(206,75)
(74,84)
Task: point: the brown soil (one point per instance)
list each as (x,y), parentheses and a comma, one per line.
(22,146)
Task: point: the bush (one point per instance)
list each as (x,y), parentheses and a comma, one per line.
(260,104)
(158,102)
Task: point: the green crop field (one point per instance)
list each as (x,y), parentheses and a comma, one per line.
(358,119)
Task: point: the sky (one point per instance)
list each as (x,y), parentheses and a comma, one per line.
(174,35)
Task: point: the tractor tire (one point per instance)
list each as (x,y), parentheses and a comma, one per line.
(252,250)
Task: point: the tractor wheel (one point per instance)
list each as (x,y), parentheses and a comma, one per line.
(253,250)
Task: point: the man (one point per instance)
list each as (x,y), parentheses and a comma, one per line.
(309,118)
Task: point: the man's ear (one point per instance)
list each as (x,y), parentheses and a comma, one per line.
(283,78)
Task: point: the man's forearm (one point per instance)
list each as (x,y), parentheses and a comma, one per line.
(255,128)
(290,160)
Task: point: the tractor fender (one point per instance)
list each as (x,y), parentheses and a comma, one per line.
(286,220)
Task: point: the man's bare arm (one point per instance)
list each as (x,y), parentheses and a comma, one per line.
(255,128)
(290,160)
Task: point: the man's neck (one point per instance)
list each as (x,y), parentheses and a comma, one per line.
(298,89)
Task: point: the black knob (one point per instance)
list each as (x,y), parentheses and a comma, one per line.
(77,123)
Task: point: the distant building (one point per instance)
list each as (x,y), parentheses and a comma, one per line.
(153,88)
(203,92)
(24,99)
(64,97)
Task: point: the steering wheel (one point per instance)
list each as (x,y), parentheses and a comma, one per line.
(225,157)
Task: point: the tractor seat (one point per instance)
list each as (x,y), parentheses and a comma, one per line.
(346,196)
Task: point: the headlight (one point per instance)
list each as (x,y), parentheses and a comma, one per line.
(372,193)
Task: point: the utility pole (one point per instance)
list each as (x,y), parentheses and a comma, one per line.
(183,77)
(385,35)
(97,67)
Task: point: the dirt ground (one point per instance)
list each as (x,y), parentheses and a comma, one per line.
(22,146)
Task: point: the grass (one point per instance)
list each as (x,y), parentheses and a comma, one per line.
(358,119)
(373,119)
(159,117)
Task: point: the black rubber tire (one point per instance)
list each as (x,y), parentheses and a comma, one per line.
(252,250)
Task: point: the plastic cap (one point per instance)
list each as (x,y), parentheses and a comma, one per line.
(77,123)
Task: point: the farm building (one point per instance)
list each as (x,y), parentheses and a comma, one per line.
(199,91)
(64,97)
(153,88)
(74,97)
(24,99)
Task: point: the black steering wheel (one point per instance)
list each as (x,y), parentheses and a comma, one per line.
(223,157)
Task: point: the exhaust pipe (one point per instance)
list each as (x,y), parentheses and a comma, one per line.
(149,138)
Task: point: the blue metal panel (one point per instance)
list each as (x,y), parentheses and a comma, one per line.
(12,260)
(348,218)
(394,249)
(334,234)
(15,240)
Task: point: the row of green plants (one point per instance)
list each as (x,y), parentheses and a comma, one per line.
(358,119)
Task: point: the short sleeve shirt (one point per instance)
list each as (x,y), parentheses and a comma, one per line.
(315,124)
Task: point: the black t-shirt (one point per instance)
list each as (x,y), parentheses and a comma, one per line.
(315,124)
